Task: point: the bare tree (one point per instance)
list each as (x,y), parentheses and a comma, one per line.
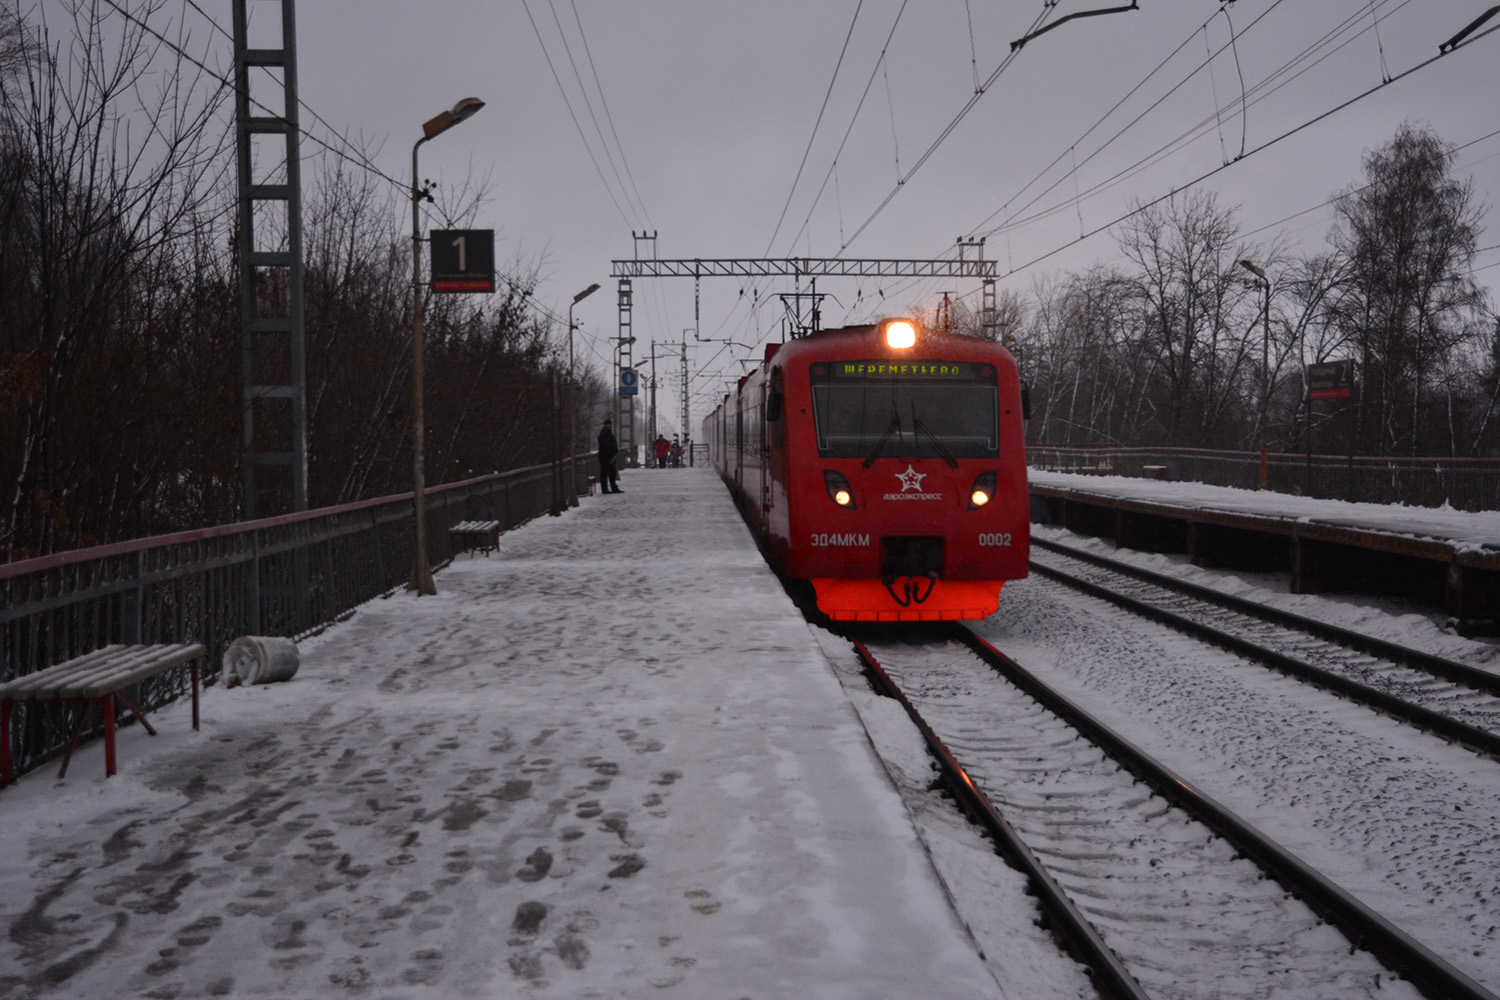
(119,321)
(1200,322)
(1084,359)
(110,145)
(1407,237)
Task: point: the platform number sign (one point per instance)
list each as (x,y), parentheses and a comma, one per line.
(1330,380)
(463,260)
(629,382)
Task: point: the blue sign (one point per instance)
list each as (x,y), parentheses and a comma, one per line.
(629,381)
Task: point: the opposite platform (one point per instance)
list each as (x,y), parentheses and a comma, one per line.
(608,760)
(1446,558)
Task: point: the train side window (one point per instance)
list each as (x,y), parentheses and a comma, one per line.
(775,407)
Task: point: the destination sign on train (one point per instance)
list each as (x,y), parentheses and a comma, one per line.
(905,369)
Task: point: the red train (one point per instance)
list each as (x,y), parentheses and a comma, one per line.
(885,465)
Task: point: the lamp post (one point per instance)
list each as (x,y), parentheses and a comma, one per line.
(421,570)
(1265,366)
(572,417)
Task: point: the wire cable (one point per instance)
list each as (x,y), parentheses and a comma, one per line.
(942,136)
(573,115)
(819,121)
(1258,149)
(589,104)
(604,102)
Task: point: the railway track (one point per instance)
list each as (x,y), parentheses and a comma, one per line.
(1149,882)
(1449,699)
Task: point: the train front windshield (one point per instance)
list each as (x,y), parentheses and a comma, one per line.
(909,409)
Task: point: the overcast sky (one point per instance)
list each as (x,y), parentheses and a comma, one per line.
(691,120)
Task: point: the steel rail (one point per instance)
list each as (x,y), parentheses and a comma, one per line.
(1438,666)
(1479,740)
(1066,921)
(1365,928)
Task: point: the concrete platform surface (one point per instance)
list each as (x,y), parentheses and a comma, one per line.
(607,760)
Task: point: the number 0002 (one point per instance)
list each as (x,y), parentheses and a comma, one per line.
(994,541)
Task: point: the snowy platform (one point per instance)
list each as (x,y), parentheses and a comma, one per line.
(609,761)
(1449,558)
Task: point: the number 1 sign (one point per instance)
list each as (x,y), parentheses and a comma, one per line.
(463,260)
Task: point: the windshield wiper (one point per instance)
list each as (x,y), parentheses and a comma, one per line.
(895,426)
(937,444)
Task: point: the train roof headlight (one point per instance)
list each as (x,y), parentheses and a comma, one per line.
(900,334)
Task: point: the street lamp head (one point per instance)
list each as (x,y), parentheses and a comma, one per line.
(586,292)
(465,108)
(1250,266)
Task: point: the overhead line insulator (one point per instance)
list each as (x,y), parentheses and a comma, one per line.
(1064,20)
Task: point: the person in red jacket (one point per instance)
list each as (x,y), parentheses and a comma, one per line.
(662,449)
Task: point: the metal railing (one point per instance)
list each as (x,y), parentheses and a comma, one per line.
(280,576)
(1462,483)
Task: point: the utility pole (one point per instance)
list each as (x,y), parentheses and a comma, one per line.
(651,427)
(625,406)
(276,342)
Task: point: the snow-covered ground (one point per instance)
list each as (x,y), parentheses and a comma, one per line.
(611,761)
(1404,820)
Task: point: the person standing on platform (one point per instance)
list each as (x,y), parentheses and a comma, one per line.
(609,451)
(662,448)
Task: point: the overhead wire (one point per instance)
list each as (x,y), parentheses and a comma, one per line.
(1015,219)
(352,155)
(1245,103)
(1330,38)
(1178,189)
(1331,201)
(604,102)
(589,104)
(588,147)
(1100,121)
(816,123)
(874,72)
(1262,90)
(942,136)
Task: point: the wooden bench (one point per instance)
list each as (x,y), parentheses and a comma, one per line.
(485,533)
(98,677)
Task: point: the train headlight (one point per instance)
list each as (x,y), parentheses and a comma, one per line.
(983,490)
(838,489)
(900,334)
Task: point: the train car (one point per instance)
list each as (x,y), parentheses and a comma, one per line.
(885,465)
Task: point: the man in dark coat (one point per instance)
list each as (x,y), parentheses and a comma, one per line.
(609,450)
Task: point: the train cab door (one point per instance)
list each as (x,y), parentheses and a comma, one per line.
(772,439)
(763,450)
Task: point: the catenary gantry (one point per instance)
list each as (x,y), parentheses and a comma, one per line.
(802,267)
(778,267)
